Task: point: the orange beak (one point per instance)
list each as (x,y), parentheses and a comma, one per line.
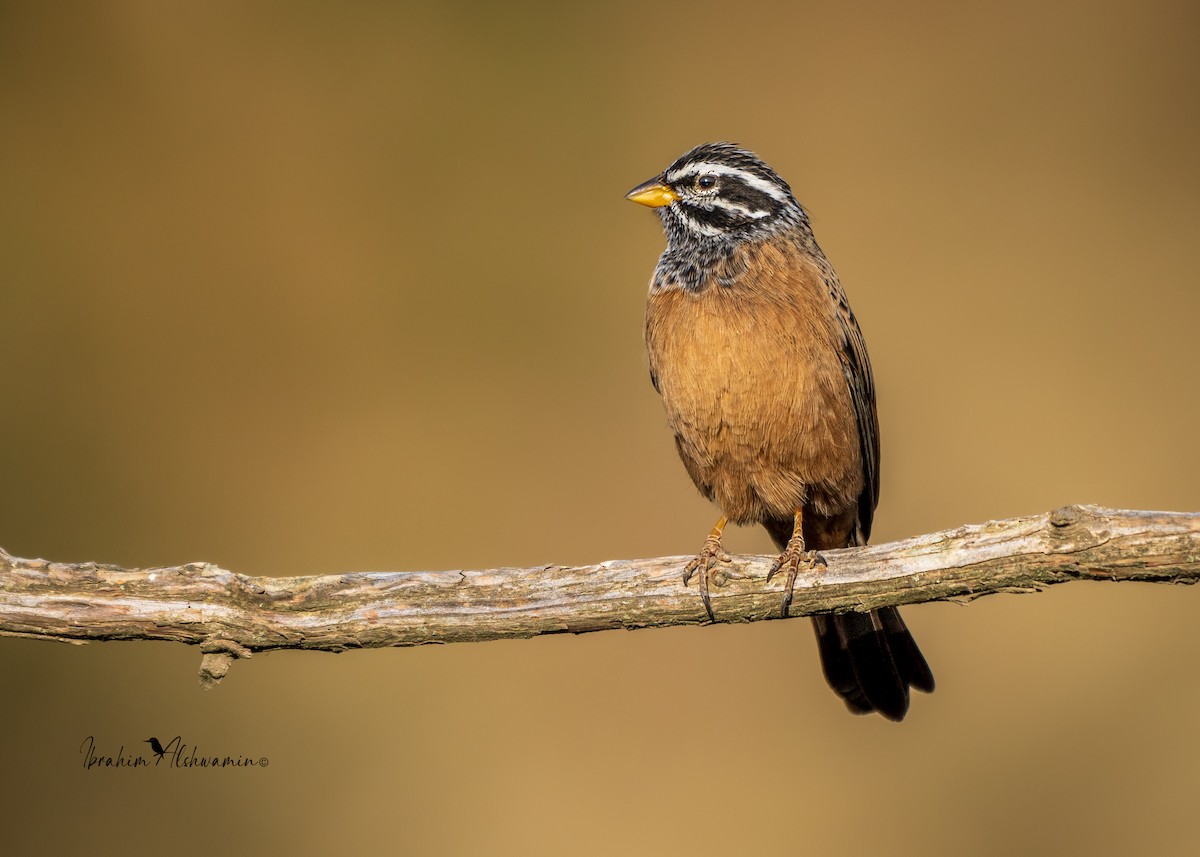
(653,193)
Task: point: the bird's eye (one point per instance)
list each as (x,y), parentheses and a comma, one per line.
(706,182)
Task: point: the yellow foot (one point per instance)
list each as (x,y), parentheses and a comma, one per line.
(704,562)
(794,559)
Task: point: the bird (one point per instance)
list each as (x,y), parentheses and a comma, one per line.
(155,746)
(764,376)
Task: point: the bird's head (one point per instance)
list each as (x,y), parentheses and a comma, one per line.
(719,192)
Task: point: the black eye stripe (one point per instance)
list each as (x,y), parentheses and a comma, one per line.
(740,194)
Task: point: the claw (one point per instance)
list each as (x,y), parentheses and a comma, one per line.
(793,560)
(793,557)
(703,562)
(709,556)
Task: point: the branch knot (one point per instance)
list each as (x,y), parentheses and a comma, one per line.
(219,655)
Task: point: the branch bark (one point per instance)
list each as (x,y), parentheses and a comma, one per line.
(232,615)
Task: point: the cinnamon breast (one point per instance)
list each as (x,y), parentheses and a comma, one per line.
(754,387)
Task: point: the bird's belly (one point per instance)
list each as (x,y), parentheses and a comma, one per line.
(761,412)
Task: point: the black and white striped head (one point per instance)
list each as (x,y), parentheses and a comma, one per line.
(718,193)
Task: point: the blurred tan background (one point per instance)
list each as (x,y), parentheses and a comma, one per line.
(306,288)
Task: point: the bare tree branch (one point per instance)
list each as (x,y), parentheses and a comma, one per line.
(231,615)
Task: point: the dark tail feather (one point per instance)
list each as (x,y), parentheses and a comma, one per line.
(913,669)
(838,668)
(870,660)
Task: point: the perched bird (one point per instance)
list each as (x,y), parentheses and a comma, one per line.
(155,746)
(764,376)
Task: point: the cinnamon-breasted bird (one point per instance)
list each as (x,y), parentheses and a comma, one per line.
(764,376)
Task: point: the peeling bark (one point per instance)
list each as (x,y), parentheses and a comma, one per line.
(232,615)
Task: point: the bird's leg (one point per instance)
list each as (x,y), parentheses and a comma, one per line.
(793,558)
(709,556)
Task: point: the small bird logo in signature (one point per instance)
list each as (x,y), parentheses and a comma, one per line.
(155,746)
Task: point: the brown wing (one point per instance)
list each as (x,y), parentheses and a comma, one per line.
(857,368)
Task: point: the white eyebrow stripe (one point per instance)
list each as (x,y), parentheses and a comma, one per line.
(749,178)
(752,213)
